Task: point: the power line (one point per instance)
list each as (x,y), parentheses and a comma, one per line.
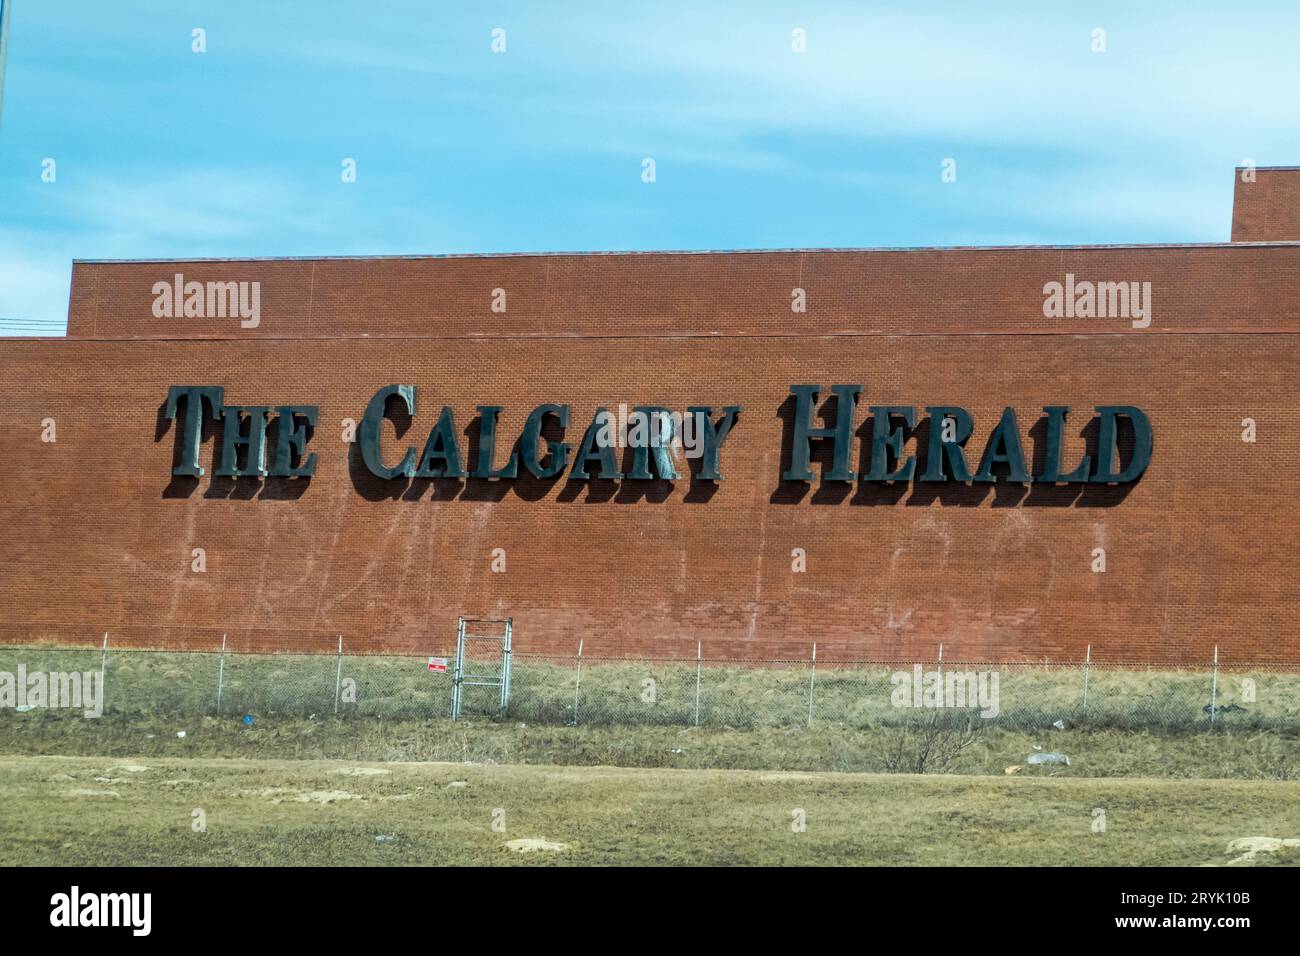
(33,327)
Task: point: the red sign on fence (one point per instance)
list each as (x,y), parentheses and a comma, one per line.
(438,664)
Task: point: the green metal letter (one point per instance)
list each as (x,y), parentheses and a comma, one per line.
(371,432)
(487,445)
(657,441)
(233,436)
(192,422)
(841,434)
(952,450)
(291,439)
(1004,446)
(592,448)
(887,440)
(712,436)
(532,437)
(1056,449)
(1108,452)
(442,447)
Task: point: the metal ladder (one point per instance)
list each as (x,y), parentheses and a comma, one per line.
(497,678)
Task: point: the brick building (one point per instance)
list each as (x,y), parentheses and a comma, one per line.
(100,534)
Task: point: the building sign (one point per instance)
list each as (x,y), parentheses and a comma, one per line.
(658,436)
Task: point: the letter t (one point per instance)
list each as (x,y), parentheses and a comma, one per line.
(192,421)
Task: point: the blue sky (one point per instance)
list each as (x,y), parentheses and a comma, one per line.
(163,152)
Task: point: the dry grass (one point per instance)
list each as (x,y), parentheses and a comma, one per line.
(1226,753)
(103,811)
(546,691)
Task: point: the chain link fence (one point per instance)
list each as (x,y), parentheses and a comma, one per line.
(585,689)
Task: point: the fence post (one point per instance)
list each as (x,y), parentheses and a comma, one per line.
(338,676)
(221,673)
(103,666)
(698,648)
(577,685)
(940,668)
(1214,686)
(1087,661)
(812,680)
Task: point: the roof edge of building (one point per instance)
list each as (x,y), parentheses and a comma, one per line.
(699,252)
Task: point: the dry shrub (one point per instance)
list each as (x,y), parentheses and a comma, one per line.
(929,745)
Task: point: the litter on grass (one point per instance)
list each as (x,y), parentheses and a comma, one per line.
(1048,758)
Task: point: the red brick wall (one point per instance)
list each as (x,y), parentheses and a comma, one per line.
(908,291)
(1202,551)
(1267,209)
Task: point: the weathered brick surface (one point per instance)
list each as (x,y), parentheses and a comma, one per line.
(1267,209)
(1202,551)
(666,294)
